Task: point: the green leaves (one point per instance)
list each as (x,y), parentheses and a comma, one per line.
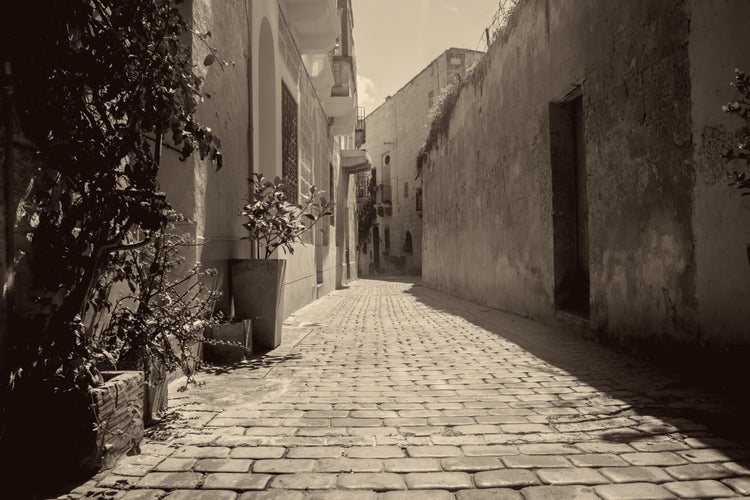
(273,222)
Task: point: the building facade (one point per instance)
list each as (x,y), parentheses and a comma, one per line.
(284,105)
(395,132)
(580,179)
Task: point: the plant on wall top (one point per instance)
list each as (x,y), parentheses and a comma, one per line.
(740,177)
(273,222)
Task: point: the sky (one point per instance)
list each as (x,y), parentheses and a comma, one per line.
(395,39)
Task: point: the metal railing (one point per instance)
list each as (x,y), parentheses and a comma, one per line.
(384,193)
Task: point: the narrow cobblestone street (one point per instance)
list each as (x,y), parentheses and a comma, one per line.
(390,390)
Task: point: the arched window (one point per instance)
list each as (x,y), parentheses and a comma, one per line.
(407,243)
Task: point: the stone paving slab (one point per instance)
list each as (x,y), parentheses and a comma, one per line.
(390,390)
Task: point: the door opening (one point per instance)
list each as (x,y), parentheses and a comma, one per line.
(570,219)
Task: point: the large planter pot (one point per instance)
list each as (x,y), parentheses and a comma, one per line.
(70,435)
(258,293)
(229,342)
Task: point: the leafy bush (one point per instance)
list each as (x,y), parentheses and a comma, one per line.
(99,84)
(273,222)
(166,313)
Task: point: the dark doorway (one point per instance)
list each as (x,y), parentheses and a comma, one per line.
(570,220)
(376,247)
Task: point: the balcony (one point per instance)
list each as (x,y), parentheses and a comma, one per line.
(362,184)
(339,105)
(319,68)
(360,129)
(343,75)
(355,161)
(384,194)
(316,24)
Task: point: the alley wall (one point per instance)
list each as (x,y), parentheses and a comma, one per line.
(666,266)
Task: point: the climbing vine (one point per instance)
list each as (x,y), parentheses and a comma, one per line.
(740,177)
(367,214)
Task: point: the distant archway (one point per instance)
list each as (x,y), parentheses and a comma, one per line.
(407,243)
(267,123)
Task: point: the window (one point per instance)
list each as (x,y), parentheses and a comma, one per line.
(407,243)
(406,189)
(387,239)
(289,153)
(430,100)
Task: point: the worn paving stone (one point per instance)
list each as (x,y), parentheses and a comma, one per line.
(635,474)
(697,471)
(433,451)
(305,481)
(396,381)
(170,480)
(145,494)
(375,452)
(559,493)
(222,465)
(739,484)
(469,464)
(236,481)
(489,494)
(633,491)
(700,489)
(272,495)
(569,475)
(403,465)
(438,480)
(283,466)
(380,481)
(513,478)
(201,495)
(417,495)
(257,452)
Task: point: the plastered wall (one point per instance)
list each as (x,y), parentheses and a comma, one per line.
(667,238)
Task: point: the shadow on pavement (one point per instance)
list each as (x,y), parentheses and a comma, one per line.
(638,388)
(256,362)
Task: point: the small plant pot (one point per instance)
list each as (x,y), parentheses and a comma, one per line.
(258,294)
(229,342)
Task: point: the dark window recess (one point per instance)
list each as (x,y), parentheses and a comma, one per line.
(418,198)
(570,217)
(407,243)
(406,189)
(387,239)
(430,100)
(289,152)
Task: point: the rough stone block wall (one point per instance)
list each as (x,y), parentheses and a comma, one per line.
(488,192)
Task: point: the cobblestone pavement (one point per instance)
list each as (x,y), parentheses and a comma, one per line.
(390,390)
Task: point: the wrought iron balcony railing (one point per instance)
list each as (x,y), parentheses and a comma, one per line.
(384,193)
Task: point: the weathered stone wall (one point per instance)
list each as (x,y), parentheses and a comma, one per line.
(398,128)
(488,191)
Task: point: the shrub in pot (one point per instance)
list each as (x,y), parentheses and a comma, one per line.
(272,223)
(157,323)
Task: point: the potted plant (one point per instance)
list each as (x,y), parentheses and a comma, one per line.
(158,321)
(272,223)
